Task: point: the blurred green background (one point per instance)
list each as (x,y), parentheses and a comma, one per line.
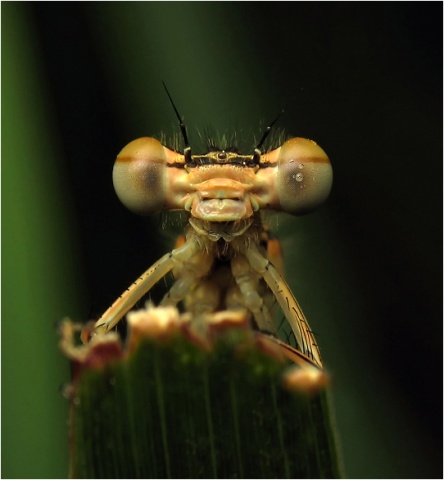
(364,80)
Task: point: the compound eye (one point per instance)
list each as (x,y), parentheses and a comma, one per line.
(140,177)
(304,176)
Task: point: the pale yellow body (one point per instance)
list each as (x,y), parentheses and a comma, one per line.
(222,265)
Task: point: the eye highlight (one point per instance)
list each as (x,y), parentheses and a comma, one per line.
(304,176)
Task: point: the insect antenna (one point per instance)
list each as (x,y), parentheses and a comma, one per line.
(187,149)
(257,150)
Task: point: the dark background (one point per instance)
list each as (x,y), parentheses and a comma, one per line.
(362,79)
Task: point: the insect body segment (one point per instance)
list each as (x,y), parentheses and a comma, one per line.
(222,264)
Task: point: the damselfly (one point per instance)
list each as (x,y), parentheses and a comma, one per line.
(223,263)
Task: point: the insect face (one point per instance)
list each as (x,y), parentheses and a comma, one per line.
(222,186)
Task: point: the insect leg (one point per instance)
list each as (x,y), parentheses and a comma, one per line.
(247,281)
(189,273)
(140,287)
(290,306)
(204,299)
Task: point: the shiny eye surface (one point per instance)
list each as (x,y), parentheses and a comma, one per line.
(140,175)
(304,176)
